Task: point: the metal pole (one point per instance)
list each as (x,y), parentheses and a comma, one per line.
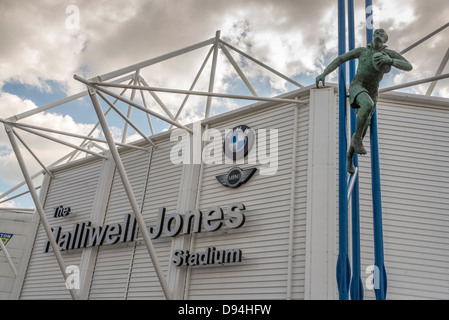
(100,86)
(238,70)
(145,105)
(20,125)
(63,142)
(343,266)
(158,100)
(130,108)
(129,192)
(439,72)
(414,83)
(380,292)
(192,86)
(262,65)
(424,39)
(112,94)
(51,105)
(126,119)
(212,74)
(152,61)
(32,153)
(356,281)
(38,205)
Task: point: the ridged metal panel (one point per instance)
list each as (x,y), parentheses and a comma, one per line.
(112,263)
(263,238)
(413,142)
(74,188)
(162,191)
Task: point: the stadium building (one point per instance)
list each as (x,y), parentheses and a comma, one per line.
(242,205)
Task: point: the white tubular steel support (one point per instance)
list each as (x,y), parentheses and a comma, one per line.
(192,86)
(145,105)
(100,86)
(212,74)
(129,192)
(126,119)
(439,72)
(414,83)
(63,142)
(18,195)
(38,205)
(262,64)
(32,153)
(20,125)
(8,258)
(130,108)
(238,70)
(112,94)
(158,100)
(417,43)
(150,62)
(49,106)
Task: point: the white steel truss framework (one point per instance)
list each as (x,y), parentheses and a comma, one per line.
(100,88)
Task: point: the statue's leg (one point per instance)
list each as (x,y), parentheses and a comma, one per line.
(364,114)
(349,160)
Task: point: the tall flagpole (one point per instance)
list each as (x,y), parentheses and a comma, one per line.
(356,281)
(343,265)
(381,290)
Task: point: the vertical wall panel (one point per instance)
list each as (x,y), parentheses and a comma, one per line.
(74,188)
(111,272)
(263,238)
(414,148)
(162,191)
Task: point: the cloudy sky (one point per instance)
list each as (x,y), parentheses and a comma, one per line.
(45,42)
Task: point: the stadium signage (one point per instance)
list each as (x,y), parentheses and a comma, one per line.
(84,234)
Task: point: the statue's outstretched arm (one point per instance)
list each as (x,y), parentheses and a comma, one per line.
(353,54)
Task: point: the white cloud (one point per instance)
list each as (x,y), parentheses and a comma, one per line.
(47,151)
(292,36)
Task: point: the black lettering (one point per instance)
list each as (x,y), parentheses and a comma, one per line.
(211,220)
(196,217)
(156,233)
(64,240)
(233,255)
(56,234)
(66,211)
(234,218)
(172,229)
(85,235)
(97,236)
(113,233)
(74,236)
(177,258)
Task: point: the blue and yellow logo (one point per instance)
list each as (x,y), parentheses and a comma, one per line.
(5,237)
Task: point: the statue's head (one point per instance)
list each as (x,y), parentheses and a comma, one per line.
(381,35)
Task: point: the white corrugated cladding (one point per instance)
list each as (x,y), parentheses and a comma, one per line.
(112,263)
(74,188)
(264,238)
(162,191)
(414,148)
(125,271)
(299,229)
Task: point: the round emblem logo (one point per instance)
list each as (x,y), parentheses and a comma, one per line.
(234,177)
(238,142)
